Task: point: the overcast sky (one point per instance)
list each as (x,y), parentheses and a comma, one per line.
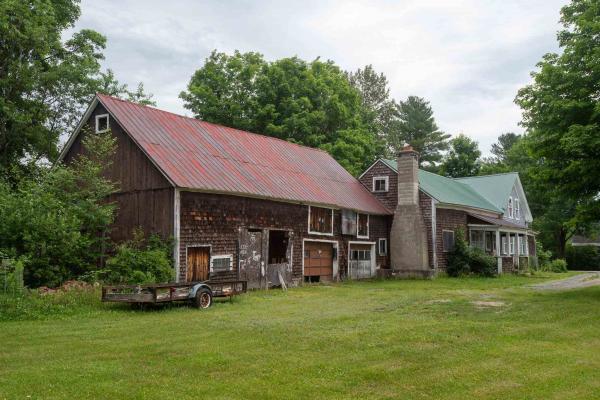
(468,58)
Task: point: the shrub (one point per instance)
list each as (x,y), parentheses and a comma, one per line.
(139,261)
(482,263)
(464,260)
(583,258)
(558,265)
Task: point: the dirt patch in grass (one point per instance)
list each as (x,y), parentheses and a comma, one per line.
(484,304)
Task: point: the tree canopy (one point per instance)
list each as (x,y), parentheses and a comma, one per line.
(462,158)
(561,109)
(45,82)
(310,103)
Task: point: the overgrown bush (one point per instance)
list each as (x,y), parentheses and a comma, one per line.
(558,265)
(139,261)
(543,256)
(54,221)
(464,260)
(583,258)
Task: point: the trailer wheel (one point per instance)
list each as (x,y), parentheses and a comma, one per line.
(203,298)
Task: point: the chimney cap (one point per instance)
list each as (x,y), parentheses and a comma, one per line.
(407,147)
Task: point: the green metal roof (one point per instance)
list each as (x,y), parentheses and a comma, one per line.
(496,188)
(450,191)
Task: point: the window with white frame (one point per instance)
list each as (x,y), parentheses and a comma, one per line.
(221,263)
(504,241)
(477,239)
(447,240)
(517,209)
(362,223)
(380,183)
(512,245)
(320,220)
(523,245)
(510,207)
(382,246)
(102,123)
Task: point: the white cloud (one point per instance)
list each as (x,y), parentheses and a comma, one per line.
(467,57)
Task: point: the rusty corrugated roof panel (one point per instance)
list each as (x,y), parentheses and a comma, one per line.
(199,155)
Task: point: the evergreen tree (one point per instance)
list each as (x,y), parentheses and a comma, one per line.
(416,126)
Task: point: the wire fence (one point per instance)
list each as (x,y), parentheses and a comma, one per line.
(11,277)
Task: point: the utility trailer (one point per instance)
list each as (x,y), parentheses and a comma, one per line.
(200,294)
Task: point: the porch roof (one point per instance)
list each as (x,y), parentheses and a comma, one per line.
(499,222)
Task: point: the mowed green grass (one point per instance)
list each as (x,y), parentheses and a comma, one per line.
(367,340)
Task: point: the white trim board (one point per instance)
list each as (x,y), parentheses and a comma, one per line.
(373,255)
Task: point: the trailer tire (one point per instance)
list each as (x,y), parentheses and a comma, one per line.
(203,298)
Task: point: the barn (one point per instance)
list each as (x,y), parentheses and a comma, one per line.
(237,205)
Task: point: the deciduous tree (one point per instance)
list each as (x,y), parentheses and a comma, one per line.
(311,103)
(462,158)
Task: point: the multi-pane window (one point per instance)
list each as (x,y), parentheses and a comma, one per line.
(362,222)
(221,263)
(382,247)
(504,241)
(512,245)
(477,239)
(517,209)
(361,255)
(448,240)
(510,207)
(380,184)
(320,220)
(522,245)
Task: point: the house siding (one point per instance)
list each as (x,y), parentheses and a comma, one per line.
(389,198)
(215,220)
(448,219)
(144,198)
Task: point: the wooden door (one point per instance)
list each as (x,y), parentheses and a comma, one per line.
(318,259)
(198,264)
(251,260)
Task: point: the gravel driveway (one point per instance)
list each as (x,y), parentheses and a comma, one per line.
(585,279)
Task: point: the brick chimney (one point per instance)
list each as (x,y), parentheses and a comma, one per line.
(408,236)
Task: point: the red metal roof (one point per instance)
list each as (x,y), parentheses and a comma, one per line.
(200,155)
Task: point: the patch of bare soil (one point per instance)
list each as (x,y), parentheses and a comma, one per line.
(483,304)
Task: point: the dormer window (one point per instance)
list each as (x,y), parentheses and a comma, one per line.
(101,123)
(517,210)
(380,184)
(510,207)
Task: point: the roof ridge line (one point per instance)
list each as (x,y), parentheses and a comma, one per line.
(485,176)
(211,123)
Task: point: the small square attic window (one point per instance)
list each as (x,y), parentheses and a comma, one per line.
(101,123)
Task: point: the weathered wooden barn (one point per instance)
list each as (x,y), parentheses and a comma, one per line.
(247,206)
(236,203)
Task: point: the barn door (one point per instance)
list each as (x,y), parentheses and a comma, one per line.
(318,261)
(198,263)
(251,257)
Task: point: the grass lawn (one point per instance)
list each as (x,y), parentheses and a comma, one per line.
(367,340)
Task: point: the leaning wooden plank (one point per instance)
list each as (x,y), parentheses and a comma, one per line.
(281,281)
